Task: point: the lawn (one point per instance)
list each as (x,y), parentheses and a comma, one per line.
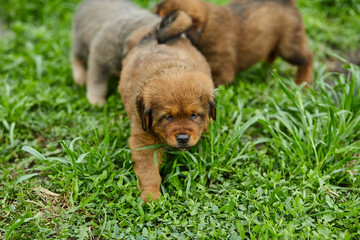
(279,162)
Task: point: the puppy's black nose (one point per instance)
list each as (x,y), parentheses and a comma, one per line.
(182,138)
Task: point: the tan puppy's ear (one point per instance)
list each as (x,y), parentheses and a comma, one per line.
(145,115)
(212,110)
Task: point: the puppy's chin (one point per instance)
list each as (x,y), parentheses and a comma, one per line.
(181,147)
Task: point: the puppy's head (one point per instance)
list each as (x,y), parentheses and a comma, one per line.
(196,9)
(177,106)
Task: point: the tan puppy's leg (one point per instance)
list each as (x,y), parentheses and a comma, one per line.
(78,70)
(144,165)
(294,49)
(304,73)
(96,81)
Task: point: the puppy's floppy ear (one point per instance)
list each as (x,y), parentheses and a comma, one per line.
(145,115)
(212,110)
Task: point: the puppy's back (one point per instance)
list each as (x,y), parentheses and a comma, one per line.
(161,49)
(91,15)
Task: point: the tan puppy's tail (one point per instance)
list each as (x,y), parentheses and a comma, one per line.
(172,26)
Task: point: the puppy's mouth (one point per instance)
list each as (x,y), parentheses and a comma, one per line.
(183,148)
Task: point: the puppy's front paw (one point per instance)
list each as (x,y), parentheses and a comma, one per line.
(96,100)
(155,195)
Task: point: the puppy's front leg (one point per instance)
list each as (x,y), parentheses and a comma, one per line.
(96,81)
(145,167)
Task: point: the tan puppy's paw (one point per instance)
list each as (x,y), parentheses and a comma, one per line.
(155,195)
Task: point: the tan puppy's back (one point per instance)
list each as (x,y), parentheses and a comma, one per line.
(161,56)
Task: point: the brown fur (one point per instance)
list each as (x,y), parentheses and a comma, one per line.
(100,41)
(244,32)
(168,94)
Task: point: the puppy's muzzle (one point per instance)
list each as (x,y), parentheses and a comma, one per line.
(182,139)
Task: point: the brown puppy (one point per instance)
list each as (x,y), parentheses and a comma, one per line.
(236,36)
(168,93)
(101,29)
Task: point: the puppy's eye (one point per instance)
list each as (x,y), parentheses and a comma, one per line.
(193,116)
(169,118)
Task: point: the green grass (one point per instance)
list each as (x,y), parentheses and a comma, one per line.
(280,162)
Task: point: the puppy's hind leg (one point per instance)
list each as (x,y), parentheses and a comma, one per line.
(96,81)
(294,49)
(304,73)
(78,70)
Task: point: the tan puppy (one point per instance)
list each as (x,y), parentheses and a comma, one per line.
(244,32)
(100,32)
(168,95)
